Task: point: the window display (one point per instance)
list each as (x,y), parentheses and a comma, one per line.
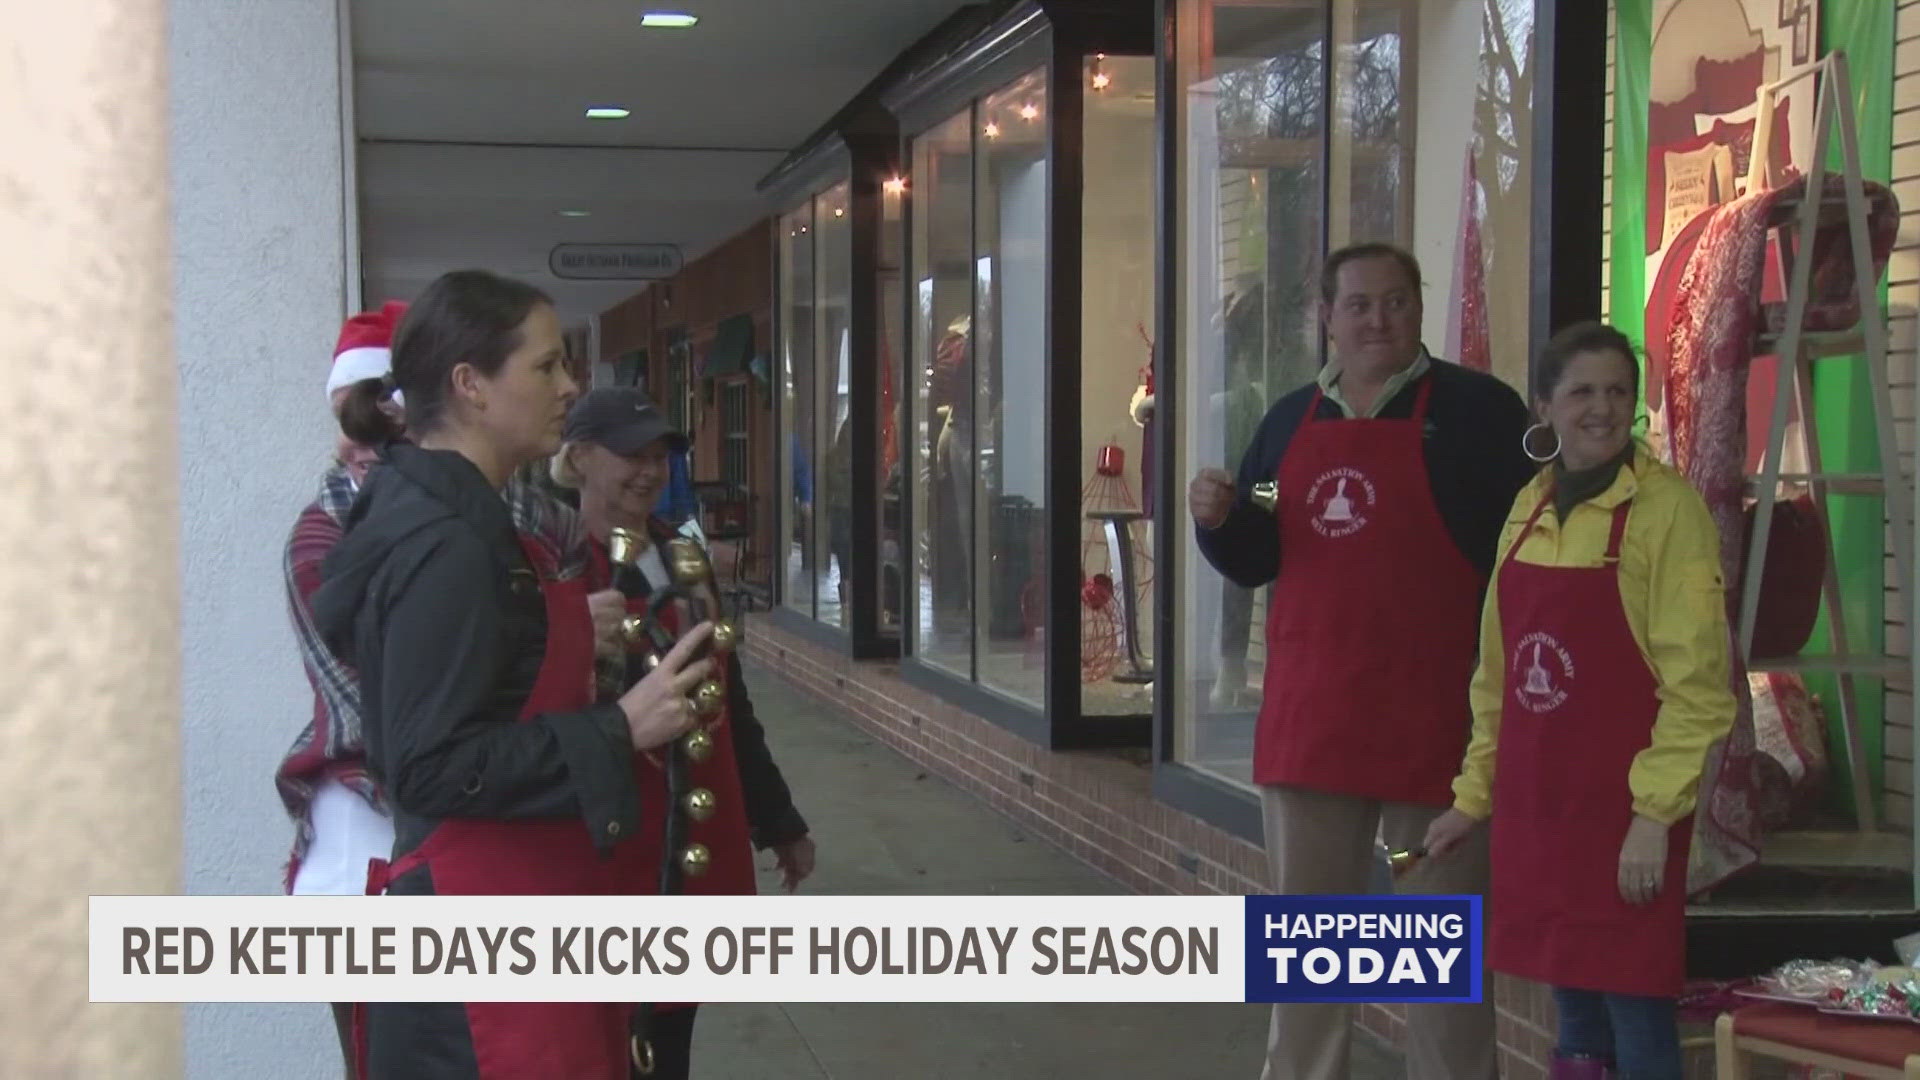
(1117,421)
(943,394)
(1713,121)
(1029,297)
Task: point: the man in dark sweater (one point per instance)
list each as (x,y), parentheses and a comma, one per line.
(1372,500)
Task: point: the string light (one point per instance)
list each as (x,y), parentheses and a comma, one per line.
(895,185)
(1101,80)
(993,129)
(1028,111)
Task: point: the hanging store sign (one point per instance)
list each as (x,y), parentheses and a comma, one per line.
(614,262)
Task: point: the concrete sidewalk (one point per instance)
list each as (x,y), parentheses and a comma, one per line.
(885,826)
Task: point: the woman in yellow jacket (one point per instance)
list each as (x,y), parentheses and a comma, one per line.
(1603,679)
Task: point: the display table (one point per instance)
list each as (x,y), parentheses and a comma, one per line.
(1862,1047)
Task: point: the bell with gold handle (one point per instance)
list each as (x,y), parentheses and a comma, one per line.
(688,562)
(625,546)
(1402,861)
(1265,495)
(698,745)
(709,698)
(695,858)
(700,804)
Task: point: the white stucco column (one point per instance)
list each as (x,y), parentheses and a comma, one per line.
(261,220)
(89,733)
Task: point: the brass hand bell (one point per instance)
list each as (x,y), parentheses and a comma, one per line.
(1265,495)
(625,546)
(1402,861)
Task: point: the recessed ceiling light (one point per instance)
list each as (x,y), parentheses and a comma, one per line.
(608,112)
(576,213)
(669,20)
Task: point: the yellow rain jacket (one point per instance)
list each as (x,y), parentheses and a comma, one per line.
(1671,588)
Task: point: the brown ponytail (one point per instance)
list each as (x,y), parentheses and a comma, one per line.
(362,417)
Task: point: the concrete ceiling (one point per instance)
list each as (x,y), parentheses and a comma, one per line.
(472,131)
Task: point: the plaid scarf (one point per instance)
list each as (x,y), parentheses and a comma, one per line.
(331,746)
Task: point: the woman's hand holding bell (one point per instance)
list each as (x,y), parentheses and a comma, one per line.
(657,708)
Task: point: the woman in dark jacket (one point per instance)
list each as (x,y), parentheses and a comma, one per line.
(476,672)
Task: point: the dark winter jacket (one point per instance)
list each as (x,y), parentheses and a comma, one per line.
(1474,462)
(431,598)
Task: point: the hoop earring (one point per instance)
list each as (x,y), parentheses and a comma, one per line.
(1526,443)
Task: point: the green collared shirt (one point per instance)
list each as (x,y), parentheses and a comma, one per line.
(1330,385)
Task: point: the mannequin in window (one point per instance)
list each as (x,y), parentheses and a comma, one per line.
(837,482)
(950,406)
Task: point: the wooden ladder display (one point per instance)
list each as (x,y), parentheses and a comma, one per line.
(1798,349)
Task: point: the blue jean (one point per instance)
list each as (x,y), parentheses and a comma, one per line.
(1640,1035)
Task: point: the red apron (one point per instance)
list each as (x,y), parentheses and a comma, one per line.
(532,857)
(1579,707)
(1372,630)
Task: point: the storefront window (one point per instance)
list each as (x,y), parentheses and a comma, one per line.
(797,392)
(943,426)
(1010,420)
(980,272)
(833,259)
(1301,122)
(1117,296)
(891,459)
(1371,149)
(1030,295)
(840,294)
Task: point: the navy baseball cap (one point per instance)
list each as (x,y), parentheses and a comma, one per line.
(621,419)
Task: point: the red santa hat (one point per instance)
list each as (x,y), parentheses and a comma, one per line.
(365,348)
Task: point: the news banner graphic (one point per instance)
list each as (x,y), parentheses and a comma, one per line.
(785,948)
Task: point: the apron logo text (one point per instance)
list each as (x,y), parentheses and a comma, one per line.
(1537,687)
(1339,500)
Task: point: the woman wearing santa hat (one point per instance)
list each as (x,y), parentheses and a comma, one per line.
(340,819)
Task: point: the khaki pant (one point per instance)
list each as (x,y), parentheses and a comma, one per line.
(1324,844)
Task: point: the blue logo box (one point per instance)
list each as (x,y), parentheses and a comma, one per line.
(1364,948)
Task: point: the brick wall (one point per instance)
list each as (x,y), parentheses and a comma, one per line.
(1903,300)
(1101,810)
